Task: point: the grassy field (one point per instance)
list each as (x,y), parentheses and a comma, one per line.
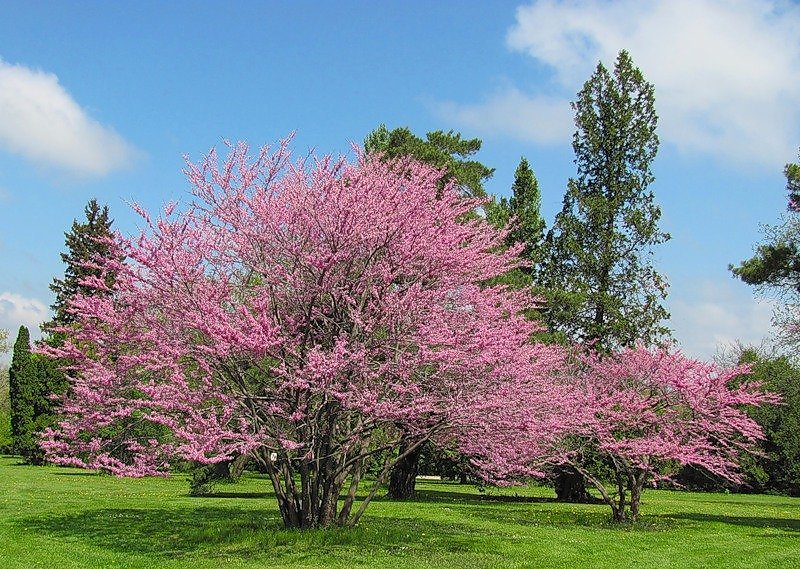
(60,518)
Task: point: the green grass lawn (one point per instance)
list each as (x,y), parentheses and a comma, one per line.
(60,518)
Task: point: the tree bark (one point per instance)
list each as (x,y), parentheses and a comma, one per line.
(404,475)
(570,485)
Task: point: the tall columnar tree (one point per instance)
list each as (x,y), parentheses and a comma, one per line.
(33,378)
(775,268)
(605,290)
(85,242)
(525,207)
(602,290)
(450,153)
(313,317)
(22,389)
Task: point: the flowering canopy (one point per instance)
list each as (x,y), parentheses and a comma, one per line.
(643,411)
(309,315)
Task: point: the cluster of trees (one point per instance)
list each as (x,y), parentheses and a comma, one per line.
(332,320)
(35,380)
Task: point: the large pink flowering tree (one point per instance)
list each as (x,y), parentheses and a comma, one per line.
(311,315)
(644,411)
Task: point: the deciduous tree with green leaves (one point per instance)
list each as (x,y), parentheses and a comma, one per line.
(602,289)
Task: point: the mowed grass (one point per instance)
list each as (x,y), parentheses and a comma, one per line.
(60,518)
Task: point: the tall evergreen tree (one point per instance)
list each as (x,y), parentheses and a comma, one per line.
(451,153)
(84,242)
(603,288)
(525,207)
(22,389)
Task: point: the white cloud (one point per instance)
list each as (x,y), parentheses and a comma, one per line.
(725,71)
(536,118)
(40,121)
(719,315)
(16,311)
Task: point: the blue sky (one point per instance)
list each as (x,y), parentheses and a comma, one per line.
(102,99)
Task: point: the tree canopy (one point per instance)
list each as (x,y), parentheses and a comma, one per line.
(312,317)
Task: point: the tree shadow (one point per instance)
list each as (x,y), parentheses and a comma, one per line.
(432,496)
(785,524)
(162,533)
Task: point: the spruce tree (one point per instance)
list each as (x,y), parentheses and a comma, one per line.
(85,241)
(524,207)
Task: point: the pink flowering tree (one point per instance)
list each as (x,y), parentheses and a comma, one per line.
(310,315)
(645,411)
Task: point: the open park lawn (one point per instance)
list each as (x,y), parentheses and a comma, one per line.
(60,518)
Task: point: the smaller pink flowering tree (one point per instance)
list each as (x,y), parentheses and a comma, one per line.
(643,411)
(312,316)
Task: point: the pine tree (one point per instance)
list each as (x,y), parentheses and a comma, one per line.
(446,150)
(603,289)
(85,241)
(449,152)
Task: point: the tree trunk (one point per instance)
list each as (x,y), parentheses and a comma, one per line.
(404,475)
(570,485)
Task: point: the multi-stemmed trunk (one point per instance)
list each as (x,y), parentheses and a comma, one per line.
(320,490)
(625,502)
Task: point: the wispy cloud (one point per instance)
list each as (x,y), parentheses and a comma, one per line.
(42,122)
(725,71)
(718,316)
(536,118)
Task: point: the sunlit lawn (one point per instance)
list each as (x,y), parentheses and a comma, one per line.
(56,517)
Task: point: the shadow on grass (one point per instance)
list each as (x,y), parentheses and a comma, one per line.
(448,496)
(785,524)
(231,531)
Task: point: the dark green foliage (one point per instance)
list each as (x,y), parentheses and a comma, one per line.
(779,469)
(601,287)
(32,378)
(525,206)
(776,264)
(445,150)
(84,242)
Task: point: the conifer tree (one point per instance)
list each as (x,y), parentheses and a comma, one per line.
(604,289)
(22,387)
(601,287)
(446,150)
(85,241)
(451,153)
(525,207)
